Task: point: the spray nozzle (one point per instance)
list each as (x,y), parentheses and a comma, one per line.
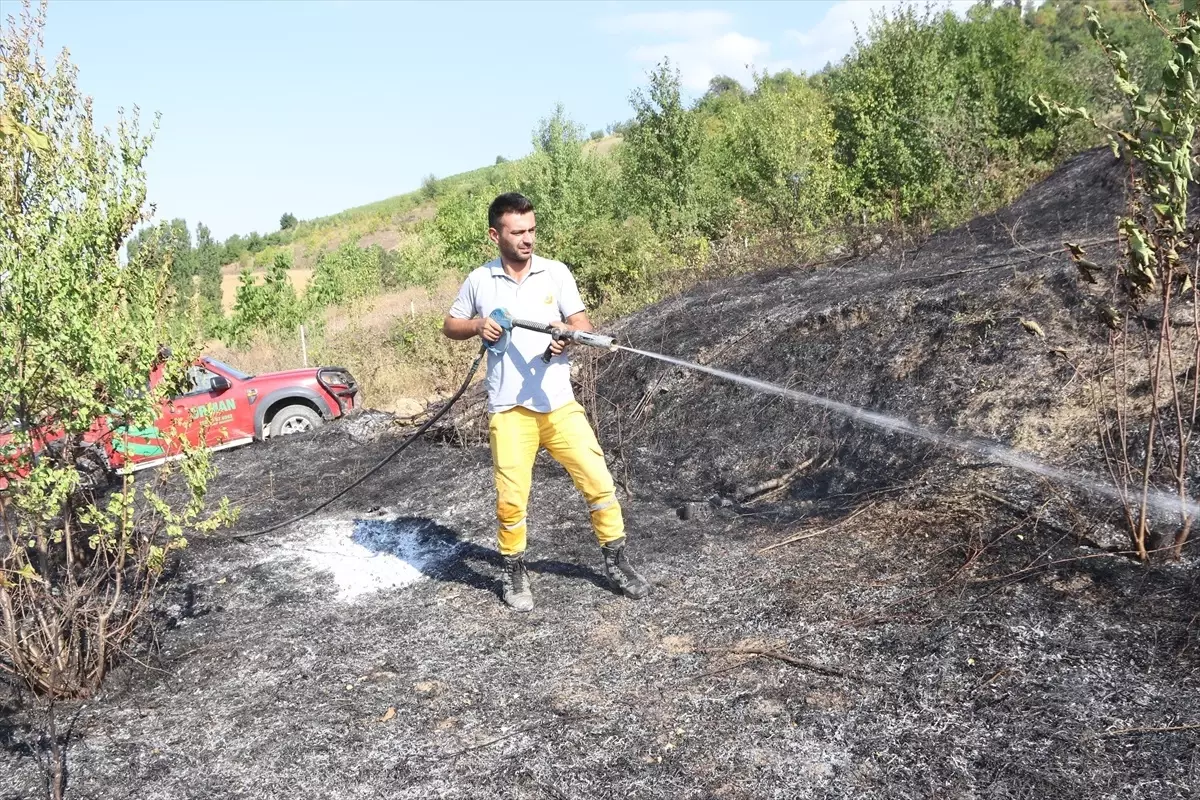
(507,323)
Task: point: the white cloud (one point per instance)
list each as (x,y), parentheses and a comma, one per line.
(699,60)
(680,24)
(833,36)
(700,44)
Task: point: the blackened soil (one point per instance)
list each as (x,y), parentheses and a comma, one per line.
(948,628)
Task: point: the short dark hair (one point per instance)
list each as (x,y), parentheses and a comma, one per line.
(508,203)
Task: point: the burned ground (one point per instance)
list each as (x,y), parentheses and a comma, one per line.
(948,628)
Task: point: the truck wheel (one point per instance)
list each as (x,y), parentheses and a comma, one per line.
(294,419)
(95,475)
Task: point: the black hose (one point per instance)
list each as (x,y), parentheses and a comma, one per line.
(424,426)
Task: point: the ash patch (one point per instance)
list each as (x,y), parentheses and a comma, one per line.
(374,554)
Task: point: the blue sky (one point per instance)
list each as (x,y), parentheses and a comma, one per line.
(313,107)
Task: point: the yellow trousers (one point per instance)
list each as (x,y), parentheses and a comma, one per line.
(515,436)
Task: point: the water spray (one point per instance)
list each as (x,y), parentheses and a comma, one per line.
(1158,500)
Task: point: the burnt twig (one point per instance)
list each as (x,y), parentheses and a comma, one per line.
(803,536)
(785,658)
(1165,729)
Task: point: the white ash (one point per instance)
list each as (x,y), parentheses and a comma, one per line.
(364,556)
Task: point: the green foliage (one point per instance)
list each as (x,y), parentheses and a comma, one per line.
(929,110)
(613,259)
(80,335)
(570,188)
(269,306)
(723,94)
(1156,137)
(660,154)
(288,221)
(1063,24)
(235,245)
(420,339)
(206,262)
(778,146)
(348,273)
(429,187)
(418,261)
(460,227)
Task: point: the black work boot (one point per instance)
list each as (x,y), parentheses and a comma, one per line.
(621,572)
(517,594)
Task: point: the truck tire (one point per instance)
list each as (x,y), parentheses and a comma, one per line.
(295,419)
(95,474)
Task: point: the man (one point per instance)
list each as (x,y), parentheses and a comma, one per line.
(531,402)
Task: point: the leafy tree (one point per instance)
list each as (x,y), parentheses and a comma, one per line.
(778,148)
(348,273)
(660,155)
(928,109)
(460,226)
(270,306)
(235,245)
(287,221)
(207,265)
(80,334)
(723,93)
(430,188)
(568,187)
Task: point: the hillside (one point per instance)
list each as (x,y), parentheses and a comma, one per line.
(385,223)
(946,627)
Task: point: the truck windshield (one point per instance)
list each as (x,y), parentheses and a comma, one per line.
(236,373)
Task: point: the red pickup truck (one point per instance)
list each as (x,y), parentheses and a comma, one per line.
(222,407)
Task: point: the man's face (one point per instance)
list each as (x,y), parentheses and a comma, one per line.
(514,236)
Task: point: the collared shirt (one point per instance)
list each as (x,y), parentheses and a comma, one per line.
(546,294)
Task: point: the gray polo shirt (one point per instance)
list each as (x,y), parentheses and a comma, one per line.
(547,294)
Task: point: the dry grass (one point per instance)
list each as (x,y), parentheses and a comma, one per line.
(299,278)
(381,312)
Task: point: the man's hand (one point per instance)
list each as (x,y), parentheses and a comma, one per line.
(488,329)
(576,322)
(558,345)
(485,328)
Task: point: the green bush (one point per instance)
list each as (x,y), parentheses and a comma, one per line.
(779,153)
(348,273)
(931,112)
(461,227)
(569,188)
(420,339)
(659,156)
(614,258)
(271,306)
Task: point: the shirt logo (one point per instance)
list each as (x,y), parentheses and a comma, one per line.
(549,300)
